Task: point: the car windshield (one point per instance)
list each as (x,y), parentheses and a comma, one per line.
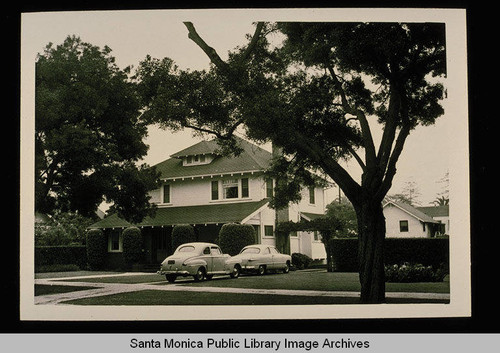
(250,251)
(186,249)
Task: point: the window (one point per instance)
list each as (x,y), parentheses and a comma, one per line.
(269,188)
(189,159)
(230,189)
(206,251)
(166,193)
(196,159)
(114,241)
(312,199)
(215,190)
(403,226)
(244,187)
(266,251)
(317,236)
(215,251)
(202,158)
(268,231)
(274,251)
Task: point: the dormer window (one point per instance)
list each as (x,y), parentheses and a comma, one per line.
(197,159)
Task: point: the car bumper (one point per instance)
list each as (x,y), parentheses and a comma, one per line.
(249,268)
(174,272)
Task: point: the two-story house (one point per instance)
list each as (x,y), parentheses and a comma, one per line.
(203,188)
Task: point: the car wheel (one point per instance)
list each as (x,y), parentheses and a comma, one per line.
(171,278)
(262,270)
(200,274)
(236,272)
(286,269)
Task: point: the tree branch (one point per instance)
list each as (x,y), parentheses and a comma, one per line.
(365,127)
(211,52)
(253,42)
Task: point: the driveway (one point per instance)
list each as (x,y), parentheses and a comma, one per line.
(294,284)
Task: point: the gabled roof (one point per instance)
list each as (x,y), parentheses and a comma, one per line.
(252,159)
(436,211)
(203,214)
(412,211)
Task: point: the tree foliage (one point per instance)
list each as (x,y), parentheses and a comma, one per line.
(88,131)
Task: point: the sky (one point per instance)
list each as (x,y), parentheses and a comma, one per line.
(131,35)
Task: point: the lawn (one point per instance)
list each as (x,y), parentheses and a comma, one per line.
(316,280)
(46,289)
(298,280)
(153,297)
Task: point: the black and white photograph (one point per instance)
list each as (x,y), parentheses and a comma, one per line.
(244,164)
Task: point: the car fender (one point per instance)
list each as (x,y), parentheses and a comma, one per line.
(195,262)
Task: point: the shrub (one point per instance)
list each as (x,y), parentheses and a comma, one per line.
(425,251)
(60,255)
(97,246)
(182,234)
(233,237)
(301,261)
(408,272)
(132,245)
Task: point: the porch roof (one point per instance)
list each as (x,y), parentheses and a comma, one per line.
(203,214)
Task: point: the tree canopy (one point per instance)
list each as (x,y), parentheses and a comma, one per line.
(89,134)
(316,96)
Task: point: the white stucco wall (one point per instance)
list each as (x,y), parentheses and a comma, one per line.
(393,215)
(198,191)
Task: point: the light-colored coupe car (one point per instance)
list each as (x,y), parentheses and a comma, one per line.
(259,258)
(200,260)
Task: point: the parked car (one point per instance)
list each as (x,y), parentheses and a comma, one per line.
(259,258)
(200,260)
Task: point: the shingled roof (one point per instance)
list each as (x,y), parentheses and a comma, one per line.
(252,159)
(202,214)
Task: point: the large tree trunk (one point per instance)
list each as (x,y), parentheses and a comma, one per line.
(371,225)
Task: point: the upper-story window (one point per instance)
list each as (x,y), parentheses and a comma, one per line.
(244,187)
(269,188)
(312,198)
(230,189)
(215,189)
(166,193)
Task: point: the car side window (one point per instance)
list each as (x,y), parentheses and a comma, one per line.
(266,251)
(215,251)
(206,251)
(274,251)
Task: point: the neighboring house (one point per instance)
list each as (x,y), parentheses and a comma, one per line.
(405,221)
(205,189)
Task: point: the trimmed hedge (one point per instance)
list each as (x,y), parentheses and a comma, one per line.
(233,237)
(132,245)
(182,234)
(426,251)
(97,248)
(60,255)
